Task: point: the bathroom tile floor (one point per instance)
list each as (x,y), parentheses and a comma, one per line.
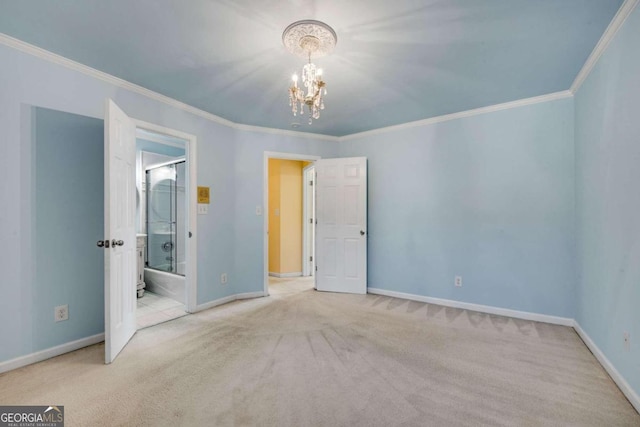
(153,309)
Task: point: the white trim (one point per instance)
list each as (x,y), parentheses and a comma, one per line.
(265,204)
(462,114)
(284,275)
(227,299)
(526,315)
(48,353)
(155,137)
(249,295)
(100,75)
(616,23)
(624,386)
(191,255)
(284,132)
(116,81)
(214,303)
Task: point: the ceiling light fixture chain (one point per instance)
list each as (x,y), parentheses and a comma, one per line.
(309,38)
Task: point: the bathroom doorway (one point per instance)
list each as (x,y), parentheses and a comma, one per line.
(162,204)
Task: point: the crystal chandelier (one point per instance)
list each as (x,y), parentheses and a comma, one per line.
(308,38)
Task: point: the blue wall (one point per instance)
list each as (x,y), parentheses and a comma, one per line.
(488,197)
(27,81)
(69,219)
(607,115)
(249,181)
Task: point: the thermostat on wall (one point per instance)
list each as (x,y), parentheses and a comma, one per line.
(203,195)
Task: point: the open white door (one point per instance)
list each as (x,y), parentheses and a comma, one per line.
(308,220)
(119,229)
(341,232)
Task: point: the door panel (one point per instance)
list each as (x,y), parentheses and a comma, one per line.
(341,238)
(120,258)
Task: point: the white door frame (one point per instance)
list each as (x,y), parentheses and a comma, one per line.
(265,203)
(191,254)
(308,236)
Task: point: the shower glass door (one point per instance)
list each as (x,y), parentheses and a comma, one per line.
(164,209)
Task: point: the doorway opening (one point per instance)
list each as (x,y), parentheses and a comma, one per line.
(161,225)
(289,221)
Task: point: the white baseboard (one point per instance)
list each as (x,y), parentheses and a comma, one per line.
(564,321)
(214,303)
(228,299)
(611,370)
(48,353)
(39,356)
(249,295)
(295,274)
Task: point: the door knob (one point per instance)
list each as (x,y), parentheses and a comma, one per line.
(361,233)
(103,243)
(115,243)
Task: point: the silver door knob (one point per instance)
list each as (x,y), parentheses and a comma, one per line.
(103,243)
(361,233)
(115,243)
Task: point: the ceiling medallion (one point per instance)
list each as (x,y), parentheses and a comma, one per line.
(309,38)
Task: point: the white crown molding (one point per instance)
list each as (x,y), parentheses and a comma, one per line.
(608,366)
(462,114)
(48,353)
(284,132)
(616,23)
(525,315)
(116,81)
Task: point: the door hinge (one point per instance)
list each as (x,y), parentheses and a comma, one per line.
(310,258)
(311,182)
(310,220)
(316,268)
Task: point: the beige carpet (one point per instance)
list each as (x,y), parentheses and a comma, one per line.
(305,358)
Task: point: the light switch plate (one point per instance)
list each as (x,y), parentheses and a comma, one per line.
(258,210)
(203,209)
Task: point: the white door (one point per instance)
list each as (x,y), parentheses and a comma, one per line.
(119,228)
(341,233)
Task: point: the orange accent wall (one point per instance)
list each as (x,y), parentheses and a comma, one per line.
(285,216)
(274,220)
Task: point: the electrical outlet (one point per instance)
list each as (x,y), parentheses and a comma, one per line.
(223,278)
(61,313)
(627,341)
(458,281)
